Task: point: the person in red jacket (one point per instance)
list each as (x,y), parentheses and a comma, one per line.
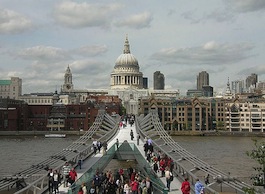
(185,186)
(72,176)
(134,186)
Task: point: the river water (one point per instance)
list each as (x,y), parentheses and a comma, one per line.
(227,154)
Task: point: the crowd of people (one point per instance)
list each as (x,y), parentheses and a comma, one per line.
(67,176)
(122,181)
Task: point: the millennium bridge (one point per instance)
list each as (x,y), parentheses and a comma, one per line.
(106,129)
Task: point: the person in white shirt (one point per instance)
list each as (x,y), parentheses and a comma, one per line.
(126,187)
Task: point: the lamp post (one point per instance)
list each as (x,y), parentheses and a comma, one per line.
(263,166)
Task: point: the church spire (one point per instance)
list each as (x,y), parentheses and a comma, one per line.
(228,91)
(126,46)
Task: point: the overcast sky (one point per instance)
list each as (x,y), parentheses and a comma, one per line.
(40,38)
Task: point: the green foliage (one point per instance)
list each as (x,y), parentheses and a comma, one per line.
(220,125)
(258,154)
(249,190)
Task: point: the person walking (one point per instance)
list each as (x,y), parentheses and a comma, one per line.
(65,171)
(131,134)
(138,138)
(199,188)
(117,143)
(168,176)
(84,189)
(80,160)
(206,179)
(185,186)
(50,181)
(72,176)
(127,188)
(56,180)
(149,185)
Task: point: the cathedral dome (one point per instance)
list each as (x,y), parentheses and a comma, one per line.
(126,60)
(126,72)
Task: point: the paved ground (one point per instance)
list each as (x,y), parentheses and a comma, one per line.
(123,134)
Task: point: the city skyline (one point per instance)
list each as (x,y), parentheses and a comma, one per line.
(39,39)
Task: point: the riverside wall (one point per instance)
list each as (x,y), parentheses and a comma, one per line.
(39,133)
(172,133)
(217,133)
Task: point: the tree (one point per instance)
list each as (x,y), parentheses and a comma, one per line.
(220,125)
(258,154)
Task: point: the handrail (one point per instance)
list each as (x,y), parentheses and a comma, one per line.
(150,125)
(71,154)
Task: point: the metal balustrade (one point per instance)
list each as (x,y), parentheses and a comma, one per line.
(27,180)
(186,164)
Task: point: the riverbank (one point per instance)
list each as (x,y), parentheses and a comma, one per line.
(172,133)
(217,133)
(39,133)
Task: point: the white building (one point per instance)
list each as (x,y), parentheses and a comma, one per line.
(245,116)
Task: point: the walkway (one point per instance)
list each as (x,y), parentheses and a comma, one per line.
(123,134)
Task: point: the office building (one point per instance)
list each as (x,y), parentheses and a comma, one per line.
(251,80)
(202,80)
(11,88)
(159,81)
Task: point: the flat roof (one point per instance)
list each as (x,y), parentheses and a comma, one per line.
(5,82)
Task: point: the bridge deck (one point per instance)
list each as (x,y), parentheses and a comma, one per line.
(122,135)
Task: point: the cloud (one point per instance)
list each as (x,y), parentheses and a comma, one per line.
(95,73)
(220,16)
(260,70)
(44,53)
(90,51)
(12,22)
(81,15)
(137,21)
(245,5)
(211,53)
(89,67)
(190,15)
(217,15)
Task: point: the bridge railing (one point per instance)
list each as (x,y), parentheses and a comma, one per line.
(71,154)
(125,148)
(150,126)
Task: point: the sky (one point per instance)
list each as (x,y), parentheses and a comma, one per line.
(39,39)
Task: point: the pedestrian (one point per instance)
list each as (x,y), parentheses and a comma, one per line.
(56,180)
(65,171)
(134,186)
(80,191)
(155,167)
(50,181)
(105,147)
(185,186)
(72,176)
(168,175)
(99,145)
(92,188)
(206,179)
(117,143)
(126,187)
(95,146)
(199,188)
(138,138)
(97,181)
(80,161)
(84,188)
(149,185)
(131,134)
(111,186)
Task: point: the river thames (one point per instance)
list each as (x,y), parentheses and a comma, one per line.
(227,154)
